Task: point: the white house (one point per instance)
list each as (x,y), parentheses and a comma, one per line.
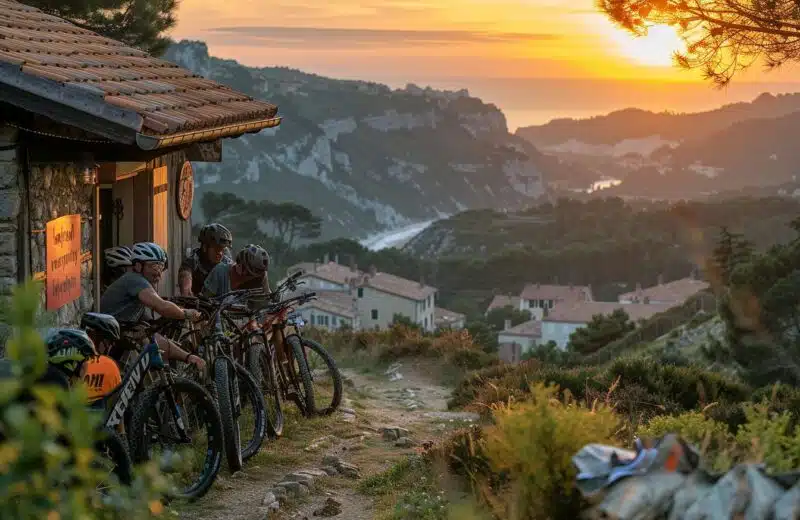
(527,335)
(326,276)
(563,320)
(541,298)
(444,319)
(675,292)
(332,310)
(382,295)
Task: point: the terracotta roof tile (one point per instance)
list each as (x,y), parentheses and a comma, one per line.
(676,291)
(582,312)
(397,286)
(168,98)
(558,293)
(530,329)
(502,300)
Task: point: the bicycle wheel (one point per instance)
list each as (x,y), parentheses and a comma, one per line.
(228,401)
(326,377)
(301,376)
(112,448)
(262,366)
(252,417)
(171,416)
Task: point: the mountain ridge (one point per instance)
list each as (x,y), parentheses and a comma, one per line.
(365,157)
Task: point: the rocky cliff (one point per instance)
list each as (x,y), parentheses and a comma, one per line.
(363,156)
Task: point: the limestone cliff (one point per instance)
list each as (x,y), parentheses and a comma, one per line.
(363,156)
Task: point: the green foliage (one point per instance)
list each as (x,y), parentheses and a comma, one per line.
(48,463)
(600,331)
(497,317)
(521,467)
(139,23)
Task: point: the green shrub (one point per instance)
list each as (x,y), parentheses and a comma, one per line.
(533,444)
(47,460)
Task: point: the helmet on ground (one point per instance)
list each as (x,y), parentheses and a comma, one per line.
(105,325)
(149,252)
(254,259)
(118,256)
(215,234)
(67,349)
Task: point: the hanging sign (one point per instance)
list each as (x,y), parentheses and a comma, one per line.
(185,191)
(63,256)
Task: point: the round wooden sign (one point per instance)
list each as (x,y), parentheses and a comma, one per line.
(185,191)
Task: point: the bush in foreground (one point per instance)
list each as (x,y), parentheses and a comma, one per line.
(48,466)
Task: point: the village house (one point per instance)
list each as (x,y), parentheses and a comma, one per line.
(674,292)
(327,275)
(332,310)
(565,319)
(515,341)
(96,144)
(539,299)
(382,295)
(445,319)
(379,296)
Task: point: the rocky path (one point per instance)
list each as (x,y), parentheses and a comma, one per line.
(314,469)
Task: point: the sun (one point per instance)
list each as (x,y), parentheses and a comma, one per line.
(655,49)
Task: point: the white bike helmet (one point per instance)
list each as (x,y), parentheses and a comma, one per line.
(253,259)
(118,256)
(149,252)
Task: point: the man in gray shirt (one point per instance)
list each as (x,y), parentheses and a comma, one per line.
(248,272)
(127,298)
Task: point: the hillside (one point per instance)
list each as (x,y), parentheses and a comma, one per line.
(635,124)
(362,155)
(602,223)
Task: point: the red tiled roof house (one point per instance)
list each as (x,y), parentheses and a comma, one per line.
(91,127)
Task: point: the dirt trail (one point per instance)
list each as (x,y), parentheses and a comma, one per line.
(410,400)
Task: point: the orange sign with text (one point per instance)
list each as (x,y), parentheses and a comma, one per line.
(63,258)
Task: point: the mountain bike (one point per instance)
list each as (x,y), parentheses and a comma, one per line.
(283,360)
(160,417)
(230,380)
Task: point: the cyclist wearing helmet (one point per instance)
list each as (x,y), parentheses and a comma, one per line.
(102,374)
(127,298)
(118,262)
(215,239)
(68,350)
(248,272)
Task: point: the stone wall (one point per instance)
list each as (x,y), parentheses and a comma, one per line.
(56,190)
(9,213)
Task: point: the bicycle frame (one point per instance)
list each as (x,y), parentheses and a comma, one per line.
(149,359)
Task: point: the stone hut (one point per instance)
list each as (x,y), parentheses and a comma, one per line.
(97,141)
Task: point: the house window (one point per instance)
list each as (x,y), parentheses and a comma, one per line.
(333,320)
(426,322)
(360,292)
(326,321)
(374,314)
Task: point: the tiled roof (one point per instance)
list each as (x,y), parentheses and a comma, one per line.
(340,303)
(331,271)
(530,329)
(445,317)
(677,291)
(168,98)
(502,300)
(402,287)
(582,312)
(558,293)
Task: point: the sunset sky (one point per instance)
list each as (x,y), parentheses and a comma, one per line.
(543,58)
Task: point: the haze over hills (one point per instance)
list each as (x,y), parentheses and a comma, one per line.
(665,155)
(366,157)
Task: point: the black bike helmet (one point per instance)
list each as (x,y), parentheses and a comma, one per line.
(105,325)
(253,259)
(118,256)
(215,234)
(67,349)
(149,252)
